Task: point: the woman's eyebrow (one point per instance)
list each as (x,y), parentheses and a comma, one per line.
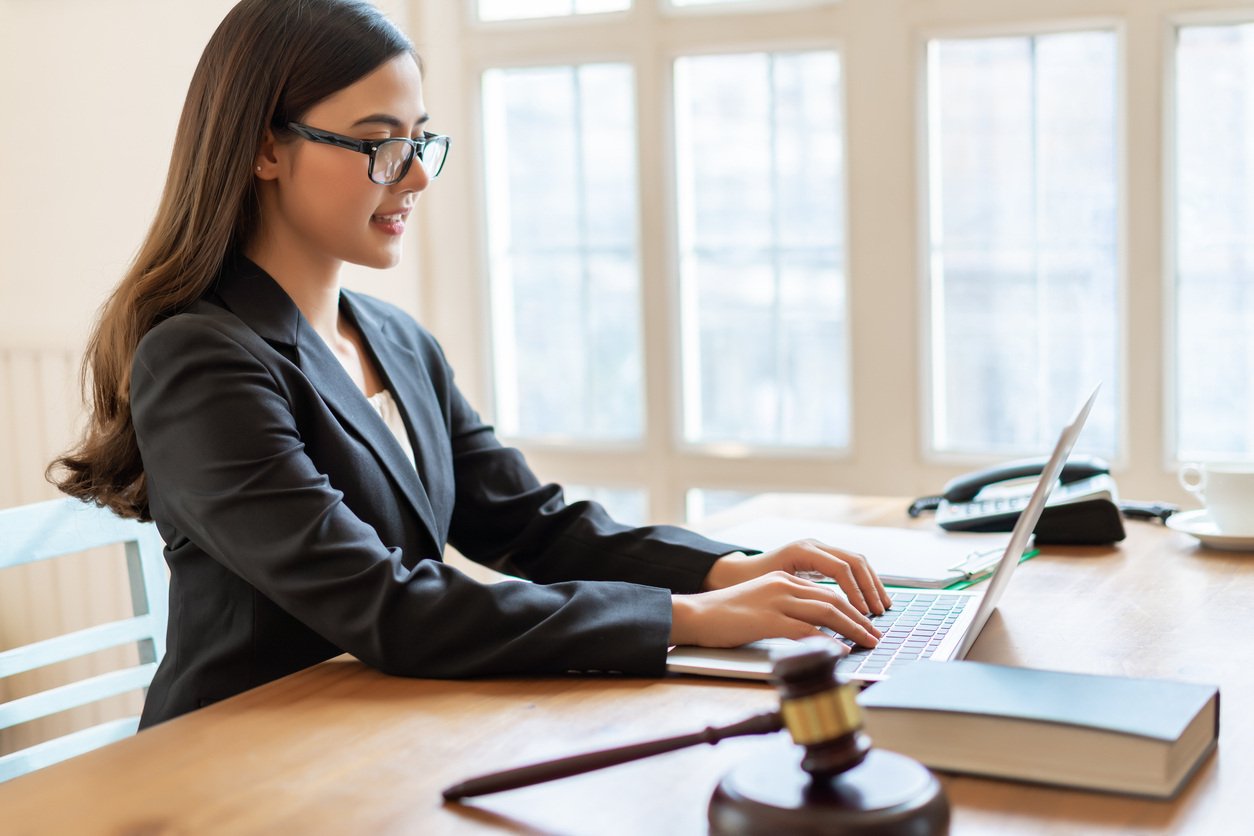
(389,120)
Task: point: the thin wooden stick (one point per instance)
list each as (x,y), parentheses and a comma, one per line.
(525,776)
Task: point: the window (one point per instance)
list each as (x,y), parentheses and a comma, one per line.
(703,503)
(1214,298)
(760,188)
(1023,232)
(696,250)
(561,178)
(492,10)
(626,505)
(752,5)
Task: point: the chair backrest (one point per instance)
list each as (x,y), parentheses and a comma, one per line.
(46,530)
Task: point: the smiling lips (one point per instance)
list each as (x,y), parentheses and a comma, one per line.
(392,223)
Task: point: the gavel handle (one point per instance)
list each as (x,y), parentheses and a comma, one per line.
(525,776)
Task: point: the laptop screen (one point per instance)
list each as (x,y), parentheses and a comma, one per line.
(1027,522)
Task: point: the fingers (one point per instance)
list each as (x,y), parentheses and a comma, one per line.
(798,629)
(776,604)
(821,606)
(853,574)
(873,589)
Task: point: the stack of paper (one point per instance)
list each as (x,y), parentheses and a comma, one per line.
(923,558)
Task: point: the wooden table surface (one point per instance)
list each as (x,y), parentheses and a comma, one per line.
(341,748)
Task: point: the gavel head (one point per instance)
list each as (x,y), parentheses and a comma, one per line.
(819,709)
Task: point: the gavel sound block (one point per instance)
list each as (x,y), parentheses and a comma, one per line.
(841,784)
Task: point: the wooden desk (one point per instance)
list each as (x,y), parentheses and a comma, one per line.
(343,749)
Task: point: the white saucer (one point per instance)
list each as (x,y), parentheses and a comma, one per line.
(1200,525)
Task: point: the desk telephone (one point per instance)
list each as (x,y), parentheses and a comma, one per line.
(1083,509)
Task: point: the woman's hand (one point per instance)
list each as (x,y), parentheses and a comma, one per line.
(849,570)
(774,605)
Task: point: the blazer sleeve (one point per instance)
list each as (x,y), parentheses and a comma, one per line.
(226,469)
(504,518)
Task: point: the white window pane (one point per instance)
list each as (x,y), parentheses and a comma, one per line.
(1215,241)
(753,6)
(520,9)
(1023,239)
(629,506)
(703,503)
(565,289)
(588,7)
(761,185)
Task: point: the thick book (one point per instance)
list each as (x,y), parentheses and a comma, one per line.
(1117,734)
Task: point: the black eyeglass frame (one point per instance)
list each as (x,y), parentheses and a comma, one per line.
(370,147)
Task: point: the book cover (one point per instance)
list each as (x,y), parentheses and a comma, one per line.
(1118,734)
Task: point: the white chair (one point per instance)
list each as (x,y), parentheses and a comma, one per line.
(46,530)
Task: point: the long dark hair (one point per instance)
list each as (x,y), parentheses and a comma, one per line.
(267,64)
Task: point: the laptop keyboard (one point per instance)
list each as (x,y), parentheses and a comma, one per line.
(913,629)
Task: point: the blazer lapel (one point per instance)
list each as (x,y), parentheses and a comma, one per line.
(257,299)
(407,378)
(350,405)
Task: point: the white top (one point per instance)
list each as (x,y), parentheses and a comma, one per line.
(385,405)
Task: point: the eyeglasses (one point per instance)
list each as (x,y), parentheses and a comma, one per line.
(389,158)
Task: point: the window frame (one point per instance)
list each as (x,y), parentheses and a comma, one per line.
(1170,404)
(724,449)
(746,7)
(1017,29)
(552,442)
(471,19)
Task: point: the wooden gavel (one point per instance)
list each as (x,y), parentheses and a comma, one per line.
(817,709)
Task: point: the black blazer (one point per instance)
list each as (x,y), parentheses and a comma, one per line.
(298,530)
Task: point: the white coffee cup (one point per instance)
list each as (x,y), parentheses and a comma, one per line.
(1227,491)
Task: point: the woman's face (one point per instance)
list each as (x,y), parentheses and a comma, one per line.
(324,201)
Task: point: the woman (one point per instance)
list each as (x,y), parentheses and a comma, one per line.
(303,449)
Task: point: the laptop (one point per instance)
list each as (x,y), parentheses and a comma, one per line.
(923,624)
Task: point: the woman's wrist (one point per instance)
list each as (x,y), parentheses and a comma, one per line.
(681,619)
(722,571)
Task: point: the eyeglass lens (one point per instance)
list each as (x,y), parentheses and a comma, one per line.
(391,160)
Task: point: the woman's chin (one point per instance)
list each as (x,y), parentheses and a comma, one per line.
(380,259)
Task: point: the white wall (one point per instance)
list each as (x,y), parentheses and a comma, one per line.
(91,95)
(106,98)
(100,84)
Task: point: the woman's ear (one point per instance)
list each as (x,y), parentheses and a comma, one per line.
(266,163)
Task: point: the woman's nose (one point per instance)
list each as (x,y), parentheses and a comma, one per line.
(415,180)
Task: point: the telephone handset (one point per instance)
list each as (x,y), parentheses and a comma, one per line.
(1083,509)
(966,488)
